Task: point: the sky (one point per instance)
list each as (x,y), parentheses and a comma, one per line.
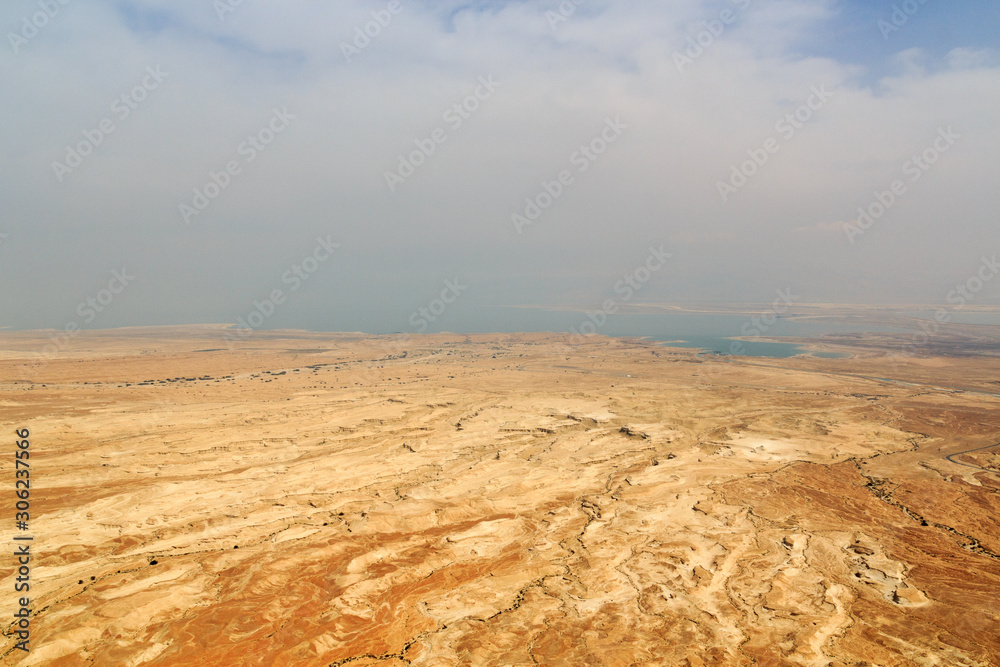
(341,165)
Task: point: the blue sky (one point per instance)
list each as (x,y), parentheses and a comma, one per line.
(356,107)
(855,36)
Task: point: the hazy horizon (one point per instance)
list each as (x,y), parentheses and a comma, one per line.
(192,164)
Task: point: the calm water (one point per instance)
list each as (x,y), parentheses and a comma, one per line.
(694,330)
(750,348)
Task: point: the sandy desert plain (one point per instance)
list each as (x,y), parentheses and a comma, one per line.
(335,499)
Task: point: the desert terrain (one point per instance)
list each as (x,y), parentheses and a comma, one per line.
(444,500)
